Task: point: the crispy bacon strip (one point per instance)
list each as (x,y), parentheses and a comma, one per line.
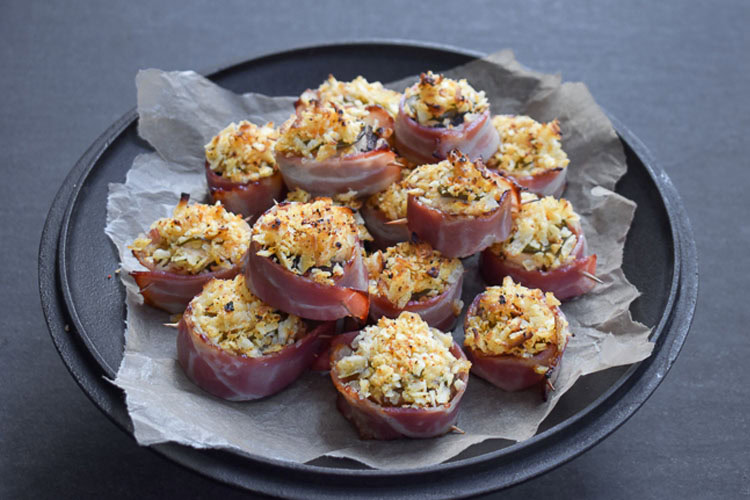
(374,421)
(241,378)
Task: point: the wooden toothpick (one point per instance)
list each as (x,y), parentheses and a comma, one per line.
(591,277)
(397,221)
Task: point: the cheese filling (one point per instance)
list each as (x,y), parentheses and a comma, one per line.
(527,147)
(410,271)
(315,239)
(358,93)
(403,362)
(195,239)
(243,152)
(542,237)
(437,101)
(457,186)
(237,321)
(515,320)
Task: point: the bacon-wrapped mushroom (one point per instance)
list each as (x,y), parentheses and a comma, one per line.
(328,150)
(546,250)
(399,378)
(530,153)
(238,348)
(458,206)
(241,170)
(515,336)
(306,259)
(438,114)
(184,252)
(414,277)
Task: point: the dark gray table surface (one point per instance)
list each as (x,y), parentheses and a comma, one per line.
(676,73)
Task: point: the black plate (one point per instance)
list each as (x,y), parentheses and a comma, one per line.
(84,306)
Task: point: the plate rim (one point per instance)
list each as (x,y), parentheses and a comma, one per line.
(682,248)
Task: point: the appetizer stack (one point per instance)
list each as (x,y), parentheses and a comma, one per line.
(362,206)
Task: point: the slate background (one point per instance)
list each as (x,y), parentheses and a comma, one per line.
(676,73)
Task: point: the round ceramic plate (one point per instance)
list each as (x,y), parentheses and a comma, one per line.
(85,308)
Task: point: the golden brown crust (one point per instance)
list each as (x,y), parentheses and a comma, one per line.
(527,147)
(543,236)
(315,238)
(243,152)
(195,239)
(237,321)
(514,320)
(403,362)
(457,186)
(411,272)
(437,101)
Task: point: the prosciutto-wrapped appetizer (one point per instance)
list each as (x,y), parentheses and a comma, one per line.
(546,250)
(515,336)
(530,153)
(359,93)
(184,252)
(306,259)
(241,170)
(385,215)
(327,150)
(413,277)
(236,347)
(437,115)
(458,206)
(399,378)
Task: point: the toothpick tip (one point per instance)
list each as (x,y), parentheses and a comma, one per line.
(397,221)
(592,277)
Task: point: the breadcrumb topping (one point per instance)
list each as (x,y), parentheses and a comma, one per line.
(457,185)
(515,320)
(526,146)
(403,362)
(437,101)
(410,271)
(243,152)
(237,321)
(348,199)
(392,201)
(315,239)
(324,130)
(542,237)
(195,239)
(358,92)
